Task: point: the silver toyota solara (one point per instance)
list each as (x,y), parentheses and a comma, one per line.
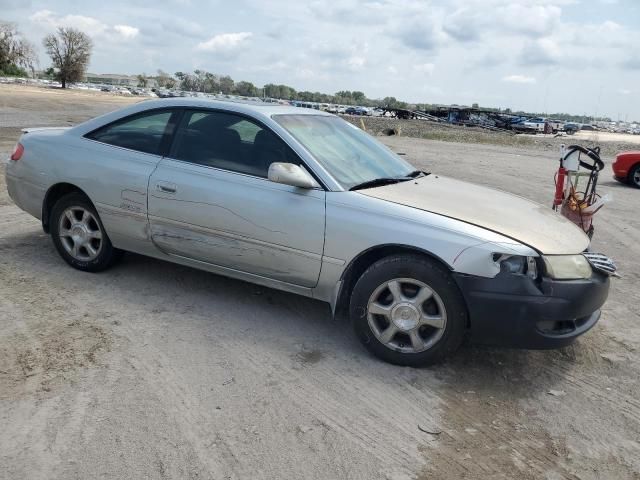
(302,201)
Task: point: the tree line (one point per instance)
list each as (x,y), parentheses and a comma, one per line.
(207,82)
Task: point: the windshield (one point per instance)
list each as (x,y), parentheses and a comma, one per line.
(351,156)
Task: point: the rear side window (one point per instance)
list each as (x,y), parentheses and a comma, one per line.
(142,132)
(229,142)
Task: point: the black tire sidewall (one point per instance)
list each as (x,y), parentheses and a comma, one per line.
(436,277)
(108,254)
(632,172)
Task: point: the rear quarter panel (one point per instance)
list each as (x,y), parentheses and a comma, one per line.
(115,180)
(29,178)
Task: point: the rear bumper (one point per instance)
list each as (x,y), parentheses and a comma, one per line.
(515,311)
(26,195)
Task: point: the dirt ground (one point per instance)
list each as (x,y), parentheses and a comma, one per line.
(608,137)
(153,370)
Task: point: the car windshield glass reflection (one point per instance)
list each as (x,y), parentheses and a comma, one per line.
(351,156)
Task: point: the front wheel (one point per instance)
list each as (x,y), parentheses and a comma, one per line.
(79,236)
(407,310)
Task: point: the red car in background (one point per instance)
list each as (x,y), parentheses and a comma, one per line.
(626,168)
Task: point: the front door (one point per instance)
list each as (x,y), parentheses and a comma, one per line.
(210,200)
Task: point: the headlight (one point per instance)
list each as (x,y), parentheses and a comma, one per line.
(567,267)
(516,264)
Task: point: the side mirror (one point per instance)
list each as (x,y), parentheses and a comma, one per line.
(290,174)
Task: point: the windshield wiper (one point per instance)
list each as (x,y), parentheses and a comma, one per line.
(377,182)
(416,173)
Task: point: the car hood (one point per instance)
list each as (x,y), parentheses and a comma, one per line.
(510,215)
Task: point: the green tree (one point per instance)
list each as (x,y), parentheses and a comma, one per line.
(226,84)
(186,81)
(358,97)
(389,102)
(211,83)
(164,80)
(286,92)
(143,80)
(246,89)
(271,90)
(16,53)
(70,52)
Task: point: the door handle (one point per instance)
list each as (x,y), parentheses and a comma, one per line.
(166,187)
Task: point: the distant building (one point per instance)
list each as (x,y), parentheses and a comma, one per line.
(112,79)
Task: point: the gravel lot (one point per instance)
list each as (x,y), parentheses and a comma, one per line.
(153,370)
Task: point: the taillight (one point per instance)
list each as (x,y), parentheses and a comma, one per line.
(17,152)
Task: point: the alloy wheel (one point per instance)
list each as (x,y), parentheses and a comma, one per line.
(80,233)
(406,315)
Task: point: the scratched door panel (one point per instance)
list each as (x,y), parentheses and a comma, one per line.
(237,221)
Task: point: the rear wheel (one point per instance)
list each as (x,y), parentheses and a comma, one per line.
(408,310)
(79,236)
(634,176)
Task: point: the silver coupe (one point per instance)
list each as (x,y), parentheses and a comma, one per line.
(300,200)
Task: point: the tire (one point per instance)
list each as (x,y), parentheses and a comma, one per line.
(634,176)
(392,325)
(79,236)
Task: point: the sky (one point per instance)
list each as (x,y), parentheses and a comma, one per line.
(574,56)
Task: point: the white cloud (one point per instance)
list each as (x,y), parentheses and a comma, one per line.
(356,63)
(543,51)
(472,22)
(426,68)
(89,25)
(534,20)
(127,31)
(421,34)
(224,42)
(518,79)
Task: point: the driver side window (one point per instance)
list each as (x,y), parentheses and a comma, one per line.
(229,142)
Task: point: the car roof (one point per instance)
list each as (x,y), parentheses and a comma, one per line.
(254,108)
(259,110)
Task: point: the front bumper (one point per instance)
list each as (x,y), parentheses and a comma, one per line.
(515,311)
(619,171)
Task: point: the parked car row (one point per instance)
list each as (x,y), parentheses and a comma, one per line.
(546,125)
